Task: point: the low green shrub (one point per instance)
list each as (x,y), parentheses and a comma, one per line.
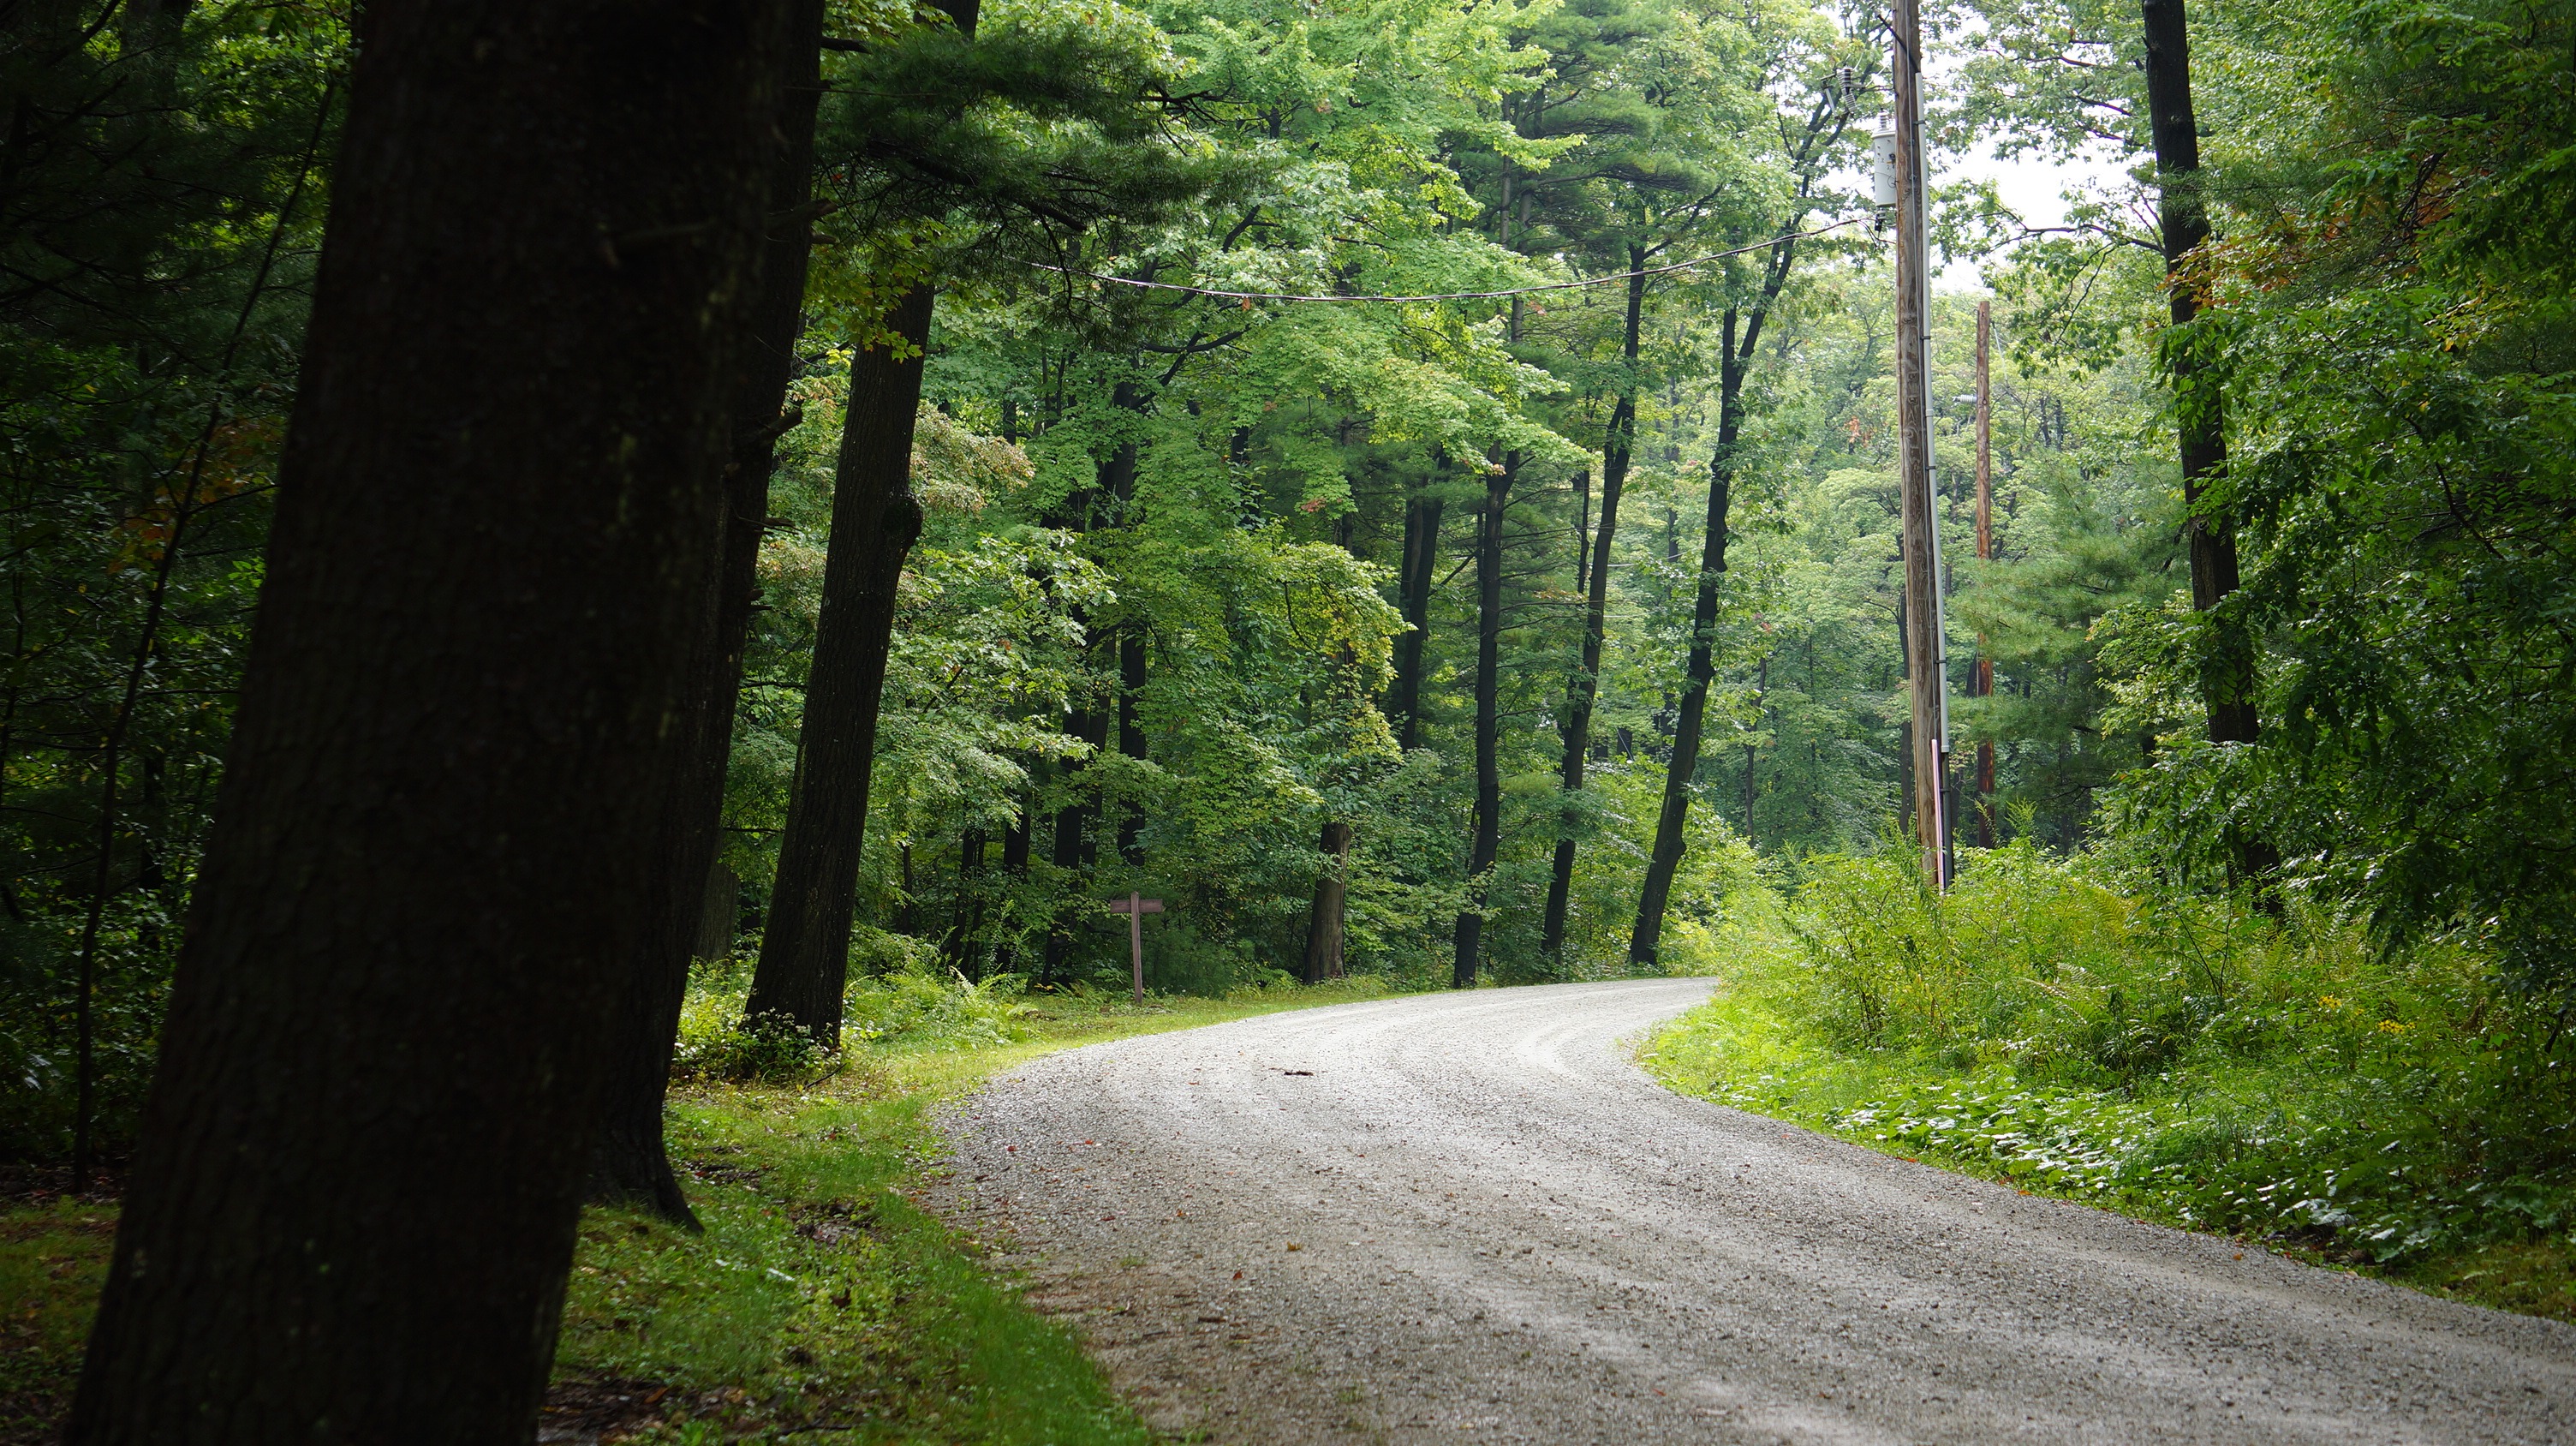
(2190,1057)
(904,1008)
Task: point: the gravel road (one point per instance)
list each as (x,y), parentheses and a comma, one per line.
(1470,1215)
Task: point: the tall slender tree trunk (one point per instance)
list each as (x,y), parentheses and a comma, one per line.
(1486,839)
(805,950)
(1413,599)
(633,1162)
(1324,919)
(1086,841)
(1645,942)
(1015,867)
(1071,823)
(967,914)
(352,1210)
(1582,531)
(2228,686)
(805,945)
(1585,686)
(1115,481)
(1131,736)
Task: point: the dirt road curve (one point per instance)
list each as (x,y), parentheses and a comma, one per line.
(1504,1231)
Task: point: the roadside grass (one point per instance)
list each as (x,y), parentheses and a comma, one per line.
(2402,1113)
(53,1258)
(821,1303)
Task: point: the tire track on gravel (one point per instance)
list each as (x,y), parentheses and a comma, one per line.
(1477,1219)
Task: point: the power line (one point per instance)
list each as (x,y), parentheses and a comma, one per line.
(1445,295)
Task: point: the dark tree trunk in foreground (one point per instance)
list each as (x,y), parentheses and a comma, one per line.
(1324,919)
(805,949)
(1585,685)
(633,1164)
(352,1211)
(2184,220)
(1486,840)
(1413,599)
(1645,942)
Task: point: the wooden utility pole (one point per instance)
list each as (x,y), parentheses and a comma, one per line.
(1985,684)
(1927,664)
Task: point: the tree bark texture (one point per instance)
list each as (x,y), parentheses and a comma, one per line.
(633,1164)
(463,722)
(1486,840)
(1413,599)
(1324,920)
(805,951)
(2184,222)
(1585,686)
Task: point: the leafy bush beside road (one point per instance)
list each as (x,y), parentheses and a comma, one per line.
(2190,1058)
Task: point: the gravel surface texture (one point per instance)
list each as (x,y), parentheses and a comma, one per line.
(1471,1216)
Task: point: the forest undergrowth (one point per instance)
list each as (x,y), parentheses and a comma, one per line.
(2268,1072)
(819,1294)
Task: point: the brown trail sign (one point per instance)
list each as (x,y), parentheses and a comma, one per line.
(1136,907)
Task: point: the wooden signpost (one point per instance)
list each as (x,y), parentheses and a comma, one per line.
(1136,907)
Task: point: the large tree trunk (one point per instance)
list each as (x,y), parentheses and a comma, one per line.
(2228,687)
(1115,481)
(1585,686)
(352,1211)
(1486,839)
(633,1165)
(1324,919)
(1413,599)
(805,950)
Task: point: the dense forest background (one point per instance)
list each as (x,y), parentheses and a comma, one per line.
(1279,610)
